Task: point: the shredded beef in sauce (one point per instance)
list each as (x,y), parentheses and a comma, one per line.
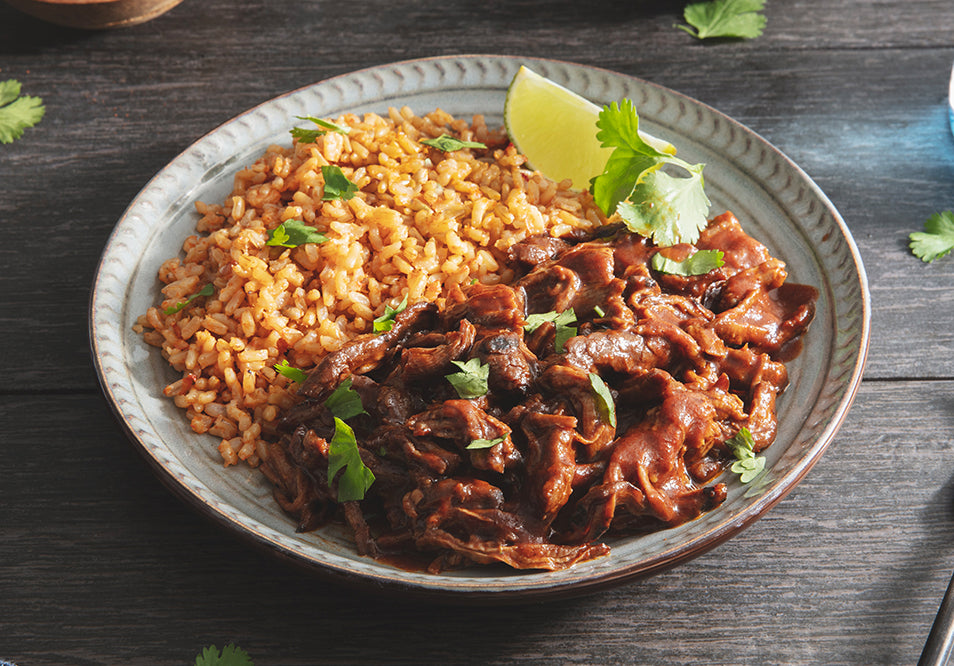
(689,360)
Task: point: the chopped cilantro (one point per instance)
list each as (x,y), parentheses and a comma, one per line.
(292,233)
(604,398)
(309,135)
(739,19)
(699,263)
(936,240)
(230,656)
(344,402)
(343,453)
(337,185)
(485,443)
(447,143)
(747,464)
(666,208)
(386,321)
(207,290)
(17,113)
(563,329)
(471,381)
(561,320)
(293,373)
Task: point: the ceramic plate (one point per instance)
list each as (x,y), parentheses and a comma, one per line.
(775,200)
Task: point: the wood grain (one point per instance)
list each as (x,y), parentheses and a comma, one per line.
(100,564)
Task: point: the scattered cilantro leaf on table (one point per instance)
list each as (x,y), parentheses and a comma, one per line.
(699,263)
(229,656)
(447,143)
(295,374)
(386,321)
(660,206)
(343,454)
(309,135)
(292,233)
(739,19)
(471,381)
(207,290)
(337,185)
(936,240)
(17,113)
(344,402)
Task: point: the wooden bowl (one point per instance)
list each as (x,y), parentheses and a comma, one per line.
(94,14)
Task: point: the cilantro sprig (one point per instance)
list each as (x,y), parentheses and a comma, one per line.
(447,143)
(344,402)
(747,465)
(651,202)
(604,398)
(324,126)
(936,240)
(337,185)
(207,290)
(738,19)
(17,112)
(285,370)
(230,655)
(292,233)
(477,444)
(561,320)
(699,263)
(343,454)
(386,321)
(471,381)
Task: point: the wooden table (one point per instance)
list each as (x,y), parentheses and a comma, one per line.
(100,564)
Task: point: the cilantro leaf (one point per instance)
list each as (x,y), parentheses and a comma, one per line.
(561,320)
(666,208)
(344,402)
(747,464)
(485,443)
(725,18)
(563,329)
(230,656)
(17,113)
(471,381)
(447,143)
(337,185)
(603,398)
(309,135)
(699,263)
(343,453)
(207,290)
(936,240)
(293,373)
(292,233)
(386,321)
(671,210)
(618,126)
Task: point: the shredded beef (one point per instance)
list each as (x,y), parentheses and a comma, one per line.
(689,362)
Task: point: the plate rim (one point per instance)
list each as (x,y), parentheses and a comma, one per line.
(477,592)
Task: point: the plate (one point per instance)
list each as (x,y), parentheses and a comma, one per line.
(774,199)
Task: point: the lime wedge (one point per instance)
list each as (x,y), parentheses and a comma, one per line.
(556,129)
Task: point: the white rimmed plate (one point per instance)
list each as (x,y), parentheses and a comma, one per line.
(774,199)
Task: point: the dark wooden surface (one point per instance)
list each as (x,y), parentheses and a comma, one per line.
(100,564)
